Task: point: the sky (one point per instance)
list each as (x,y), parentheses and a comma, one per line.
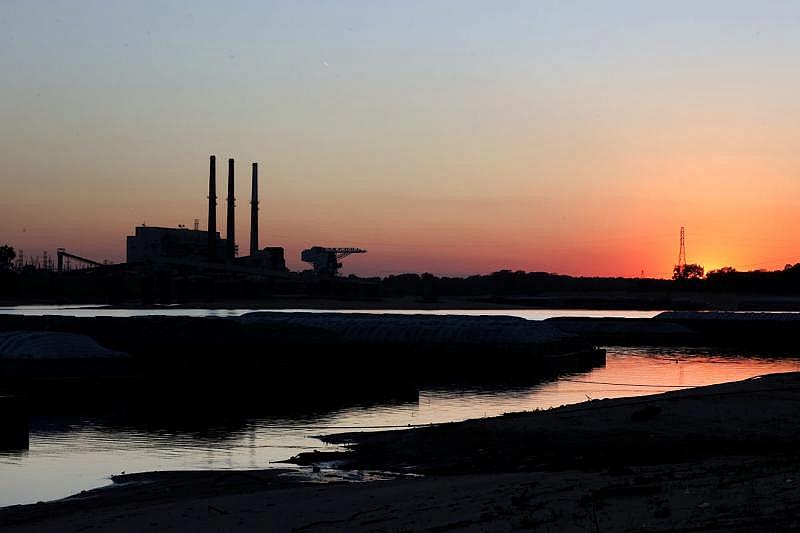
(453,137)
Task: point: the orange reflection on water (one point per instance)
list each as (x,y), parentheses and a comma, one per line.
(67,457)
(640,371)
(628,372)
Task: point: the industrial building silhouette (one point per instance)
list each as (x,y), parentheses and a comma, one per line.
(195,247)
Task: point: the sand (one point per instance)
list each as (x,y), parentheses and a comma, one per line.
(724,494)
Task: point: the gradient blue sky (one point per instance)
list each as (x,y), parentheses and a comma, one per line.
(451,137)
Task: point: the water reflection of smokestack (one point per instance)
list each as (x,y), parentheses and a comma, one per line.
(254,213)
(231,233)
(212,208)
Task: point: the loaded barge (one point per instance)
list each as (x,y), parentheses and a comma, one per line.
(271,351)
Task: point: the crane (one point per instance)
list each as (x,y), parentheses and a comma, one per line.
(327,261)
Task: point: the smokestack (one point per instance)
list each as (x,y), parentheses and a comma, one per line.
(254,213)
(212,208)
(231,214)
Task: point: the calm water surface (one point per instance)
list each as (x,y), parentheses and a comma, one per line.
(71,453)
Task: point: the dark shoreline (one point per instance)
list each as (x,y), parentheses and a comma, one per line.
(674,426)
(713,458)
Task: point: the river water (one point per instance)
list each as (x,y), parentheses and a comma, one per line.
(72,452)
(69,453)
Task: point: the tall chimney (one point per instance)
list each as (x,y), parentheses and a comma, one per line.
(212,208)
(254,213)
(231,214)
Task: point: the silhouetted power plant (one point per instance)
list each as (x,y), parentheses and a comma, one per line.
(194,247)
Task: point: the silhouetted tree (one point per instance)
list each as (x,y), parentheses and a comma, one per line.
(724,271)
(7,255)
(690,271)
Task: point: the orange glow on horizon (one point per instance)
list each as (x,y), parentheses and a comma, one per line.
(550,138)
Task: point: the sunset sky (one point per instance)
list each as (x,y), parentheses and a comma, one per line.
(450,137)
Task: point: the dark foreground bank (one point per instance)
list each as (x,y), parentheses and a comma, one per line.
(719,458)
